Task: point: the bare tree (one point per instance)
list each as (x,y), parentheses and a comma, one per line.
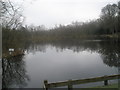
(10,14)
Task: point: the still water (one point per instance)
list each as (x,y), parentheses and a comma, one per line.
(61,61)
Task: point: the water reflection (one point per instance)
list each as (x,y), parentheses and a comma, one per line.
(39,55)
(109,50)
(14,72)
(76,46)
(110,53)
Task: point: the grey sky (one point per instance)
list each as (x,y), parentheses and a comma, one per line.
(51,12)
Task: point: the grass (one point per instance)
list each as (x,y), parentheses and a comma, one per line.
(109,86)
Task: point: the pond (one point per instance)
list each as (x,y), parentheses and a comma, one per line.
(60,61)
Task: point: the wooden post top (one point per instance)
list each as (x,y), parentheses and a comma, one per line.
(45,81)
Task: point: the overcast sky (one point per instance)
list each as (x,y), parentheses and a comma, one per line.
(52,12)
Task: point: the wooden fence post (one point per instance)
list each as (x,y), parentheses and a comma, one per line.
(106,82)
(70,85)
(46,84)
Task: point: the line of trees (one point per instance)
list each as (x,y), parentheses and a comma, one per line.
(13,30)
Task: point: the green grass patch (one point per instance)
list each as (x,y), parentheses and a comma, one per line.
(108,86)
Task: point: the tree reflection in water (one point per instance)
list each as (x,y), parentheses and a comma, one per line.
(14,72)
(110,54)
(109,49)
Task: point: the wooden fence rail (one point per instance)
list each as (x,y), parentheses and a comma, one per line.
(70,83)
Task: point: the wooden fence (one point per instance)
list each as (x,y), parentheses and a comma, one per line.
(70,83)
